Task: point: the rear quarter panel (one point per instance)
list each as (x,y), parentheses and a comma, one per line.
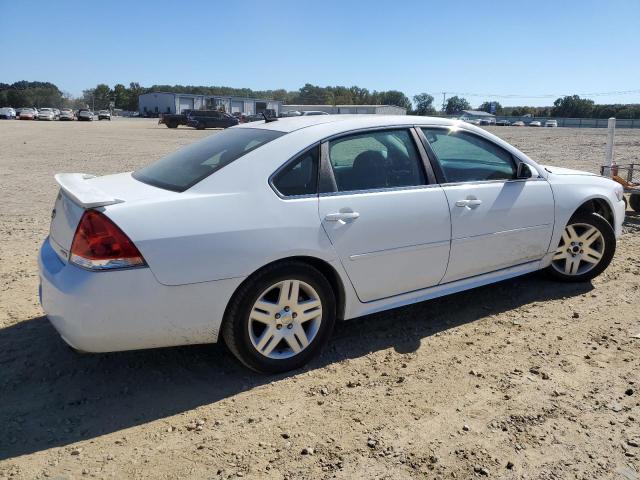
(227,226)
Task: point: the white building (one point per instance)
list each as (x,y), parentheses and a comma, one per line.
(155,103)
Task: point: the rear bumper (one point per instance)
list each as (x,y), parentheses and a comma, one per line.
(128,309)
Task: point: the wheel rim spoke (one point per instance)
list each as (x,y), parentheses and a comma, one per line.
(571,266)
(275,339)
(268,340)
(560,254)
(289,292)
(571,232)
(301,335)
(590,236)
(261,316)
(293,343)
(591,255)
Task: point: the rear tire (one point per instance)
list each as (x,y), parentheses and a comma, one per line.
(280,318)
(586,248)
(634,201)
(200,126)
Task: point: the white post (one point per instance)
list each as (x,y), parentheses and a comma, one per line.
(611,125)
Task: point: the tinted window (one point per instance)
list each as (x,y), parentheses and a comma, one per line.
(381,159)
(299,177)
(465,157)
(187,166)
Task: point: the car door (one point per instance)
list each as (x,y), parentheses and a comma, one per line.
(497,220)
(383,212)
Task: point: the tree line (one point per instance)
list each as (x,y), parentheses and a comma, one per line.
(46,94)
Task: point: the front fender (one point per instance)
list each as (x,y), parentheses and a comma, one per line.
(572,191)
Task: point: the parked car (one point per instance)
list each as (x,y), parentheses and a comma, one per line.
(487,121)
(279,229)
(57,113)
(46,114)
(173,120)
(104,115)
(518,123)
(85,114)
(67,114)
(202,119)
(7,113)
(503,123)
(313,112)
(551,123)
(290,113)
(28,114)
(535,123)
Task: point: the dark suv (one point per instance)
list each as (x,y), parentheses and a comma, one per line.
(202,119)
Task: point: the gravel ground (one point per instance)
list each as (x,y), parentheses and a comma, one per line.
(522,379)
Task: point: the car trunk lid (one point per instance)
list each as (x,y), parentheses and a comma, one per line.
(81,191)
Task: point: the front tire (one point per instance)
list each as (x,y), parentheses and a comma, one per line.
(634,201)
(586,248)
(280,318)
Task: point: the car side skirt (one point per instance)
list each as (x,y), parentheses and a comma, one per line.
(357,309)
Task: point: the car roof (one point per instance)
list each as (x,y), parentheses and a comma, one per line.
(346,122)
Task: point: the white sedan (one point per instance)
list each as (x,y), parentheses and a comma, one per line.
(267,233)
(46,114)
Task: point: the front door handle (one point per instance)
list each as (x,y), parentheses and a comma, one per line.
(344,216)
(469,202)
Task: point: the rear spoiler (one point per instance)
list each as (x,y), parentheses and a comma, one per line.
(75,185)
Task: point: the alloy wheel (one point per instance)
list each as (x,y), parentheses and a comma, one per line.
(581,248)
(285,319)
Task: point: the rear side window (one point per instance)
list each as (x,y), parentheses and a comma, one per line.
(465,157)
(373,160)
(299,177)
(184,168)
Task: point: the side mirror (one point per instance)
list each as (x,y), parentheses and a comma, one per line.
(523,170)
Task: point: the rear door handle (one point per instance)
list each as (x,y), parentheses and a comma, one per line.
(469,202)
(344,216)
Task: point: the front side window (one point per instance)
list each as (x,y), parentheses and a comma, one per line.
(299,177)
(184,168)
(373,160)
(464,157)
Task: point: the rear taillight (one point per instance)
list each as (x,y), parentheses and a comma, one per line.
(100,245)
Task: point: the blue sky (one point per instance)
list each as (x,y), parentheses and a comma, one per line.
(532,48)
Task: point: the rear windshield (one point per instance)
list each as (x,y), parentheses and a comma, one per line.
(184,168)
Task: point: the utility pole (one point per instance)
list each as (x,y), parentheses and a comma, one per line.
(444,101)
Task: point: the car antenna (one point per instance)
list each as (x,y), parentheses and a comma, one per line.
(269,119)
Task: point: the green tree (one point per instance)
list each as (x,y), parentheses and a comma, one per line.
(424,104)
(120,95)
(394,97)
(572,107)
(456,104)
(313,95)
(486,107)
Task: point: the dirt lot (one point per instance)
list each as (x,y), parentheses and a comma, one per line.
(524,379)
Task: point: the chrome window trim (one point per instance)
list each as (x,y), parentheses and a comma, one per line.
(379,190)
(476,182)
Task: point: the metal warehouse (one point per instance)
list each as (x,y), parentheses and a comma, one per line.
(367,109)
(167,102)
